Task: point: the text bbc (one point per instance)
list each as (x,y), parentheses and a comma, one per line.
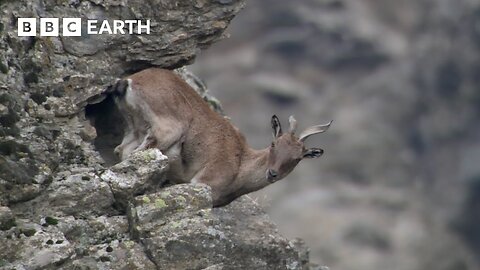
(72,27)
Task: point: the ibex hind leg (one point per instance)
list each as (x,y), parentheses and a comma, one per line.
(134,142)
(148,141)
(167,132)
(128,149)
(131,138)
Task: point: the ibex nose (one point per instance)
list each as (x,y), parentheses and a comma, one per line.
(272,174)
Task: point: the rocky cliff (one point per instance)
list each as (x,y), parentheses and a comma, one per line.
(65,201)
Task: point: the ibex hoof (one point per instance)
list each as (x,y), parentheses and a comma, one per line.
(118,150)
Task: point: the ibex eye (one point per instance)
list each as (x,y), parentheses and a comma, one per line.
(273,144)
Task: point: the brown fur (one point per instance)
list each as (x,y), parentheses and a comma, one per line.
(163,111)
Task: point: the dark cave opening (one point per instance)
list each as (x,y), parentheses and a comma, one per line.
(109,123)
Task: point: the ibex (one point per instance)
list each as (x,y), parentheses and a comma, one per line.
(163,111)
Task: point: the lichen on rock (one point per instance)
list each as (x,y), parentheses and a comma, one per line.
(191,229)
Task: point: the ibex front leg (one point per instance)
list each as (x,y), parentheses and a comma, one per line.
(219,181)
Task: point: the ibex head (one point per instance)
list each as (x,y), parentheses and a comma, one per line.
(287,149)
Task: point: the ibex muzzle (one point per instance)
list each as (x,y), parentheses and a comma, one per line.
(163,111)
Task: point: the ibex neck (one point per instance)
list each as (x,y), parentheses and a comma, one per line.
(253,170)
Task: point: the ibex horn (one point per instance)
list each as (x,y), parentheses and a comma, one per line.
(313,130)
(293,124)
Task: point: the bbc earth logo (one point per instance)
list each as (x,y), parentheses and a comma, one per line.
(72,27)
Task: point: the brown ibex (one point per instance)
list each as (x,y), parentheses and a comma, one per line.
(163,111)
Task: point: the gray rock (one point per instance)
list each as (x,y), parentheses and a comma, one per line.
(79,195)
(141,171)
(81,66)
(31,246)
(179,223)
(7,220)
(114,255)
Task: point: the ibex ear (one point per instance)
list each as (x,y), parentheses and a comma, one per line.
(313,153)
(276,126)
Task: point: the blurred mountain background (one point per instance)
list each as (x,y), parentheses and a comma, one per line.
(399,185)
